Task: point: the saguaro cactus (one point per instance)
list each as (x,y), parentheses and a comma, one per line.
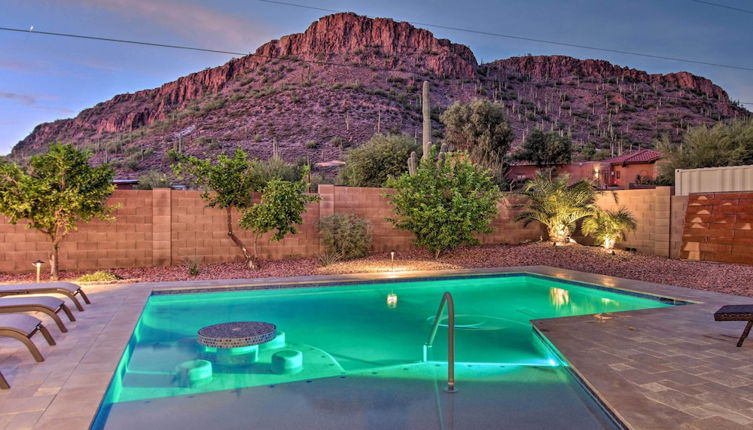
(426,142)
(412,164)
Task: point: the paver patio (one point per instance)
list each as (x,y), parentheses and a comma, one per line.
(656,369)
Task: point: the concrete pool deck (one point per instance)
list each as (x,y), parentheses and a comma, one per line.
(656,368)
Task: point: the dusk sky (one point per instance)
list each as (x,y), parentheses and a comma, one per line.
(44,78)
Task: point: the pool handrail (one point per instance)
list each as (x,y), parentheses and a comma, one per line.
(446,300)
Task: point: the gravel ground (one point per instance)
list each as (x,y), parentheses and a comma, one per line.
(724,278)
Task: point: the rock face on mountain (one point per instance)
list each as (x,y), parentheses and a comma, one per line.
(346,77)
(557,66)
(343,34)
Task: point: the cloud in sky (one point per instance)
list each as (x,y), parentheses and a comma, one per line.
(31,101)
(192,20)
(21,66)
(26,99)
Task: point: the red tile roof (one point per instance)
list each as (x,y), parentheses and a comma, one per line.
(636,157)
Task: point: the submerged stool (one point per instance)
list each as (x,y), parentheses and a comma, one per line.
(737,313)
(237,342)
(194,372)
(287,361)
(276,343)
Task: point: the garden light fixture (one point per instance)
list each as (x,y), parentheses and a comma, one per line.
(38,264)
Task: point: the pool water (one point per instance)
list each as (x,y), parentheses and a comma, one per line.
(363,359)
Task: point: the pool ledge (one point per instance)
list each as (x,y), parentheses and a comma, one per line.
(655,368)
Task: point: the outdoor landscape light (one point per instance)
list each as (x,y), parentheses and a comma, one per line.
(38,264)
(392,260)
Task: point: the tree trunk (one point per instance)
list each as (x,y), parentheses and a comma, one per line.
(559,234)
(249,260)
(256,245)
(54,260)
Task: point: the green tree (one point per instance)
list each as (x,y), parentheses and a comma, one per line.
(545,149)
(556,205)
(383,156)
(280,209)
(481,129)
(724,144)
(228,182)
(56,192)
(609,227)
(446,203)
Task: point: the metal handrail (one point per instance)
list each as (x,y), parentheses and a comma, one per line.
(446,300)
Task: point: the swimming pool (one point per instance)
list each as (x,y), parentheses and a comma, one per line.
(363,358)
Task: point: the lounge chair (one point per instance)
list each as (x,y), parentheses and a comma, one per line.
(23,327)
(65,288)
(3,382)
(49,305)
(737,313)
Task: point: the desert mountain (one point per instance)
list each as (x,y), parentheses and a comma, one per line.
(346,77)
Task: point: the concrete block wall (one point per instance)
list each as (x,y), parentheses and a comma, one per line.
(370,203)
(507,230)
(167,227)
(199,233)
(128,242)
(652,211)
(679,206)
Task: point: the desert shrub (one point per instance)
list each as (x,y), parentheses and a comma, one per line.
(328,259)
(217,103)
(337,141)
(383,156)
(193,267)
(312,144)
(154,179)
(277,168)
(133,162)
(346,236)
(446,203)
(99,276)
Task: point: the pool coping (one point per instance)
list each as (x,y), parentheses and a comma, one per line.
(84,389)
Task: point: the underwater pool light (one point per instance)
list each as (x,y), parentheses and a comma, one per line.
(391,300)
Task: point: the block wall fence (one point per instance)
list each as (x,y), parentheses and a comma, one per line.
(166,227)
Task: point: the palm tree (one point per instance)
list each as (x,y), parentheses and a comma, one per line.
(609,227)
(557,205)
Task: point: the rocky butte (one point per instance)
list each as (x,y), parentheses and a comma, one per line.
(317,93)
